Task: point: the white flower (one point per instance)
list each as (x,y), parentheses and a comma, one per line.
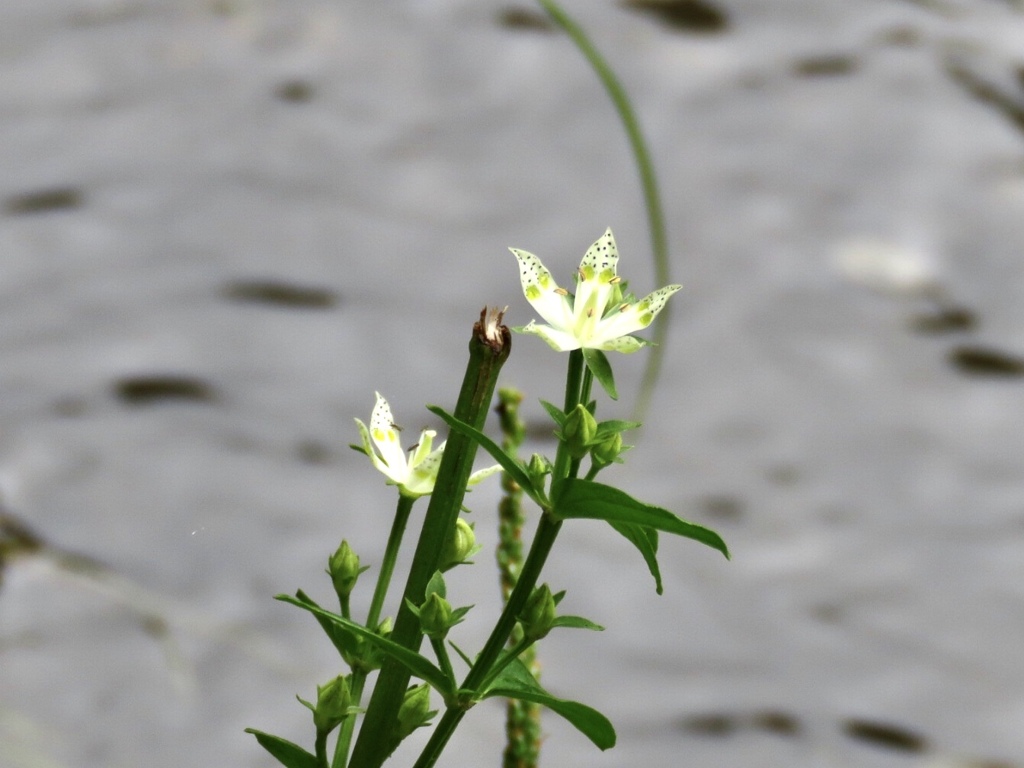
(416,475)
(599,316)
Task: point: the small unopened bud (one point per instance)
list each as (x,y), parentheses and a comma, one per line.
(608,451)
(415,710)
(332,703)
(435,616)
(459,546)
(539,613)
(538,467)
(579,430)
(343,568)
(372,657)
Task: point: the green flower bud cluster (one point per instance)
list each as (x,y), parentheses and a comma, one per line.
(583,434)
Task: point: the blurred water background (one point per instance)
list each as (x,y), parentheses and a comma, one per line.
(225,223)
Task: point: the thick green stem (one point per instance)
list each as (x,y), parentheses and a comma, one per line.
(543,541)
(488,349)
(387,568)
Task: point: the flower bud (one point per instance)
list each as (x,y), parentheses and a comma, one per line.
(459,546)
(608,451)
(371,656)
(435,616)
(537,468)
(415,710)
(343,568)
(332,703)
(579,430)
(538,614)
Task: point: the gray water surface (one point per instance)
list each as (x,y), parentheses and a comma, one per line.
(224,225)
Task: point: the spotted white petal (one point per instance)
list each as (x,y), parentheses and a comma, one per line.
(630,318)
(551,302)
(560,341)
(423,447)
(596,278)
(624,344)
(385,437)
(423,476)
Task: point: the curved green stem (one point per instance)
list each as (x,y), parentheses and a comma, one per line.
(648,181)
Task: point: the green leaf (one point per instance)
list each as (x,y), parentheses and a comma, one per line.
(646,540)
(606,429)
(556,413)
(602,370)
(462,654)
(509,464)
(578,498)
(576,622)
(418,665)
(287,753)
(516,682)
(345,642)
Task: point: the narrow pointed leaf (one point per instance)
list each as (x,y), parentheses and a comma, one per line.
(510,465)
(556,413)
(614,426)
(576,622)
(287,754)
(462,654)
(516,682)
(646,540)
(598,364)
(418,665)
(578,498)
(345,642)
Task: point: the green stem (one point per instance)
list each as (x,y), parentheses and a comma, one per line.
(489,347)
(387,566)
(573,379)
(387,569)
(648,181)
(512,653)
(547,532)
(321,749)
(357,681)
(437,643)
(543,541)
